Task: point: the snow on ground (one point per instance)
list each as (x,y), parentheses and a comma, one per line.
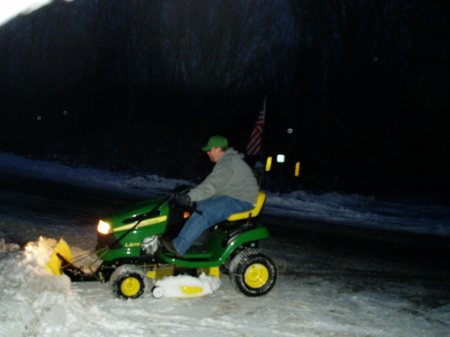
(34,303)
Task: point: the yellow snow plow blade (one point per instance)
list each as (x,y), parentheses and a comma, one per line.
(54,264)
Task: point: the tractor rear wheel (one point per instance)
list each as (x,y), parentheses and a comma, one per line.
(252,272)
(128,281)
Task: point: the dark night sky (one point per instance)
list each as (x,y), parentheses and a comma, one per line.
(141,85)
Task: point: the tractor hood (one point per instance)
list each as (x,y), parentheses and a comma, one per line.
(123,232)
(147,213)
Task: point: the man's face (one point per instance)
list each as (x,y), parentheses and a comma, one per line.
(215,154)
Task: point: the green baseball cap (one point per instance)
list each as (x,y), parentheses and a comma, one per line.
(216,141)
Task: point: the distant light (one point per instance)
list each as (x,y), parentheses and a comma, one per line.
(65,113)
(9,9)
(268,164)
(281,158)
(290,131)
(39,118)
(297,169)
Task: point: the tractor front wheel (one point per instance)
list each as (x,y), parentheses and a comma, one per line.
(128,281)
(252,272)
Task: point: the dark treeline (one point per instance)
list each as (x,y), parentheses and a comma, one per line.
(141,84)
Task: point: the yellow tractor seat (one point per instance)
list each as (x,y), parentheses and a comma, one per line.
(253,212)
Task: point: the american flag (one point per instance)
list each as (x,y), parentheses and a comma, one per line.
(255,143)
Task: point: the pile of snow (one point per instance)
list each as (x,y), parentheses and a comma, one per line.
(29,294)
(174,286)
(35,303)
(8,247)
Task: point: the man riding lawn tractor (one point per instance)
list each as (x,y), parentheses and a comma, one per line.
(230,188)
(227,203)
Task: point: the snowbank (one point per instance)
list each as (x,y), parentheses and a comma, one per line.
(84,176)
(8,247)
(31,296)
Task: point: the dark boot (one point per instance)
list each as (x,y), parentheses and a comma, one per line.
(168,244)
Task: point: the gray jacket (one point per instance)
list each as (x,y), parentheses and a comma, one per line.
(231,176)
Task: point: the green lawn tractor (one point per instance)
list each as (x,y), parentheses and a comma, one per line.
(133,259)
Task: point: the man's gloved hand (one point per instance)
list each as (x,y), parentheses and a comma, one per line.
(183,199)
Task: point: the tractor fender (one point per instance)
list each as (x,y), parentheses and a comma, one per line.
(234,241)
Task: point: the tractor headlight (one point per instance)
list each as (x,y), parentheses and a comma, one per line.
(104,227)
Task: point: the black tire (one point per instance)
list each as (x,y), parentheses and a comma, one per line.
(253,273)
(128,281)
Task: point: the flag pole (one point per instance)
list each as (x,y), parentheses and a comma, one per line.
(261,156)
(261,169)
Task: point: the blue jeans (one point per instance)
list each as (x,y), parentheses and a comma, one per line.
(213,211)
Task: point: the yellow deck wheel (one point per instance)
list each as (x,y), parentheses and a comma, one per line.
(256,275)
(130,286)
